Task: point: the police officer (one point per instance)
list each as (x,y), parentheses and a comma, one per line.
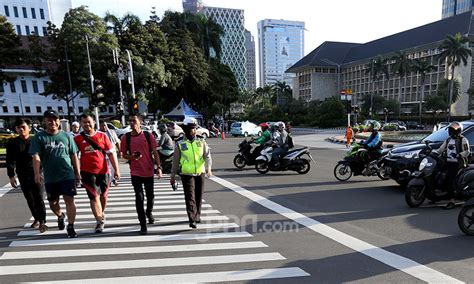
(193,160)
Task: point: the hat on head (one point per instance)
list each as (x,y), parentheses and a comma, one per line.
(51,113)
(75,123)
(190,122)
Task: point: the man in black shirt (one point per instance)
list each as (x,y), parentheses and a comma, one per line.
(18,159)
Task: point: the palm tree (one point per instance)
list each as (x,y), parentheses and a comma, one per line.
(281,89)
(422,67)
(401,67)
(455,51)
(377,68)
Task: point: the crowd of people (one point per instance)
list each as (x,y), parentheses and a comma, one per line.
(58,163)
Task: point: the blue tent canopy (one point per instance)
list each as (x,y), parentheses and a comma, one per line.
(182,111)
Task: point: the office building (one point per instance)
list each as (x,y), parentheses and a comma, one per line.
(338,65)
(456,7)
(280,45)
(250,57)
(192,6)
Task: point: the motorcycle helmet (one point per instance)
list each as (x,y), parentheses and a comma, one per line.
(264,126)
(374,125)
(281,124)
(454,129)
(190,122)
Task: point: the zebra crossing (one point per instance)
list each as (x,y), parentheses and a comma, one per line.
(218,251)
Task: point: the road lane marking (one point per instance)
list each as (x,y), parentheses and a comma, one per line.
(128,229)
(401,263)
(132,208)
(92,239)
(130,264)
(130,250)
(124,203)
(131,198)
(205,277)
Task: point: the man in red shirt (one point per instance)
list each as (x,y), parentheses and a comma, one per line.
(93,146)
(138,150)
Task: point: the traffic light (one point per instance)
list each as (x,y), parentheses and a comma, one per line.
(135,107)
(98,96)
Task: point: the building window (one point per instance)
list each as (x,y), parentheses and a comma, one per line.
(15,11)
(35,86)
(24,88)
(60,109)
(49,108)
(16,109)
(25,15)
(42,14)
(18,30)
(81,109)
(12,87)
(33,13)
(71,109)
(7,11)
(5,109)
(38,109)
(111,109)
(2,88)
(36,30)
(27,109)
(27,28)
(45,31)
(45,85)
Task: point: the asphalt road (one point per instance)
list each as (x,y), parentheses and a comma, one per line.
(278,227)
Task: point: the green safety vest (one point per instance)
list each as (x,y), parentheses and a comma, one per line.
(192,160)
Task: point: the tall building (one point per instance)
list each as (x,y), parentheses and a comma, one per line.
(192,6)
(455,7)
(250,57)
(333,66)
(233,40)
(22,97)
(280,45)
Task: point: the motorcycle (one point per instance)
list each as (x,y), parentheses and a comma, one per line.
(166,162)
(465,191)
(353,165)
(427,181)
(291,161)
(246,157)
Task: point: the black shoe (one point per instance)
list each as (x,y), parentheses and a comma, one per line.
(198,221)
(449,206)
(192,225)
(61,223)
(71,233)
(143,229)
(151,219)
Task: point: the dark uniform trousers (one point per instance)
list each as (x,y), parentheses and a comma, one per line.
(138,184)
(33,197)
(193,187)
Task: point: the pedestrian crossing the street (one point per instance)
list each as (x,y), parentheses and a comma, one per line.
(217,251)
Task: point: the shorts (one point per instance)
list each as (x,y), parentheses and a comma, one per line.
(64,187)
(95,184)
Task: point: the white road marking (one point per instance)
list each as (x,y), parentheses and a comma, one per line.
(205,277)
(130,264)
(123,203)
(130,250)
(128,229)
(401,263)
(50,218)
(131,198)
(132,208)
(92,239)
(91,221)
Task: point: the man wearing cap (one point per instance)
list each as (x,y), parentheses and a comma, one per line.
(193,158)
(54,151)
(74,129)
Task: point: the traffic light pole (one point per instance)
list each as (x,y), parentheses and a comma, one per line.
(96,109)
(120,77)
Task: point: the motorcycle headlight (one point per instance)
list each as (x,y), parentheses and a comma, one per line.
(423,164)
(411,155)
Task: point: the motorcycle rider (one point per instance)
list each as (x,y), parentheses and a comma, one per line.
(373,144)
(262,140)
(166,144)
(456,150)
(280,144)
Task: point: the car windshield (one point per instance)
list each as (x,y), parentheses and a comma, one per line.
(441,135)
(237,124)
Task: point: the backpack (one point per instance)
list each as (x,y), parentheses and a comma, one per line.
(289,141)
(128,138)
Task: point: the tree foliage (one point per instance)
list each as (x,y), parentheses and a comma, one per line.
(10,49)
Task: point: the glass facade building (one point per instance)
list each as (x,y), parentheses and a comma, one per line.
(250,57)
(455,7)
(280,45)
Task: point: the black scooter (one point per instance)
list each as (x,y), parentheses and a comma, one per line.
(247,154)
(428,181)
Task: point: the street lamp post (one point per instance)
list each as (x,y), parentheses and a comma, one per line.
(130,68)
(120,78)
(96,109)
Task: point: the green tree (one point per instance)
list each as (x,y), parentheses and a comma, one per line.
(422,67)
(282,93)
(332,113)
(401,67)
(378,69)
(10,49)
(376,102)
(455,51)
(470,93)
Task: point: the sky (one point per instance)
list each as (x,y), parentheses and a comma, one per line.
(326,20)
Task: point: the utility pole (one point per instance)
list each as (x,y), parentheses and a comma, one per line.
(130,74)
(70,86)
(120,78)
(96,108)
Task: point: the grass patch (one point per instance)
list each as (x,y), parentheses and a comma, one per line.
(3,151)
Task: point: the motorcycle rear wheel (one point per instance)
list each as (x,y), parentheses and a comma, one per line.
(239,162)
(466,220)
(415,195)
(305,167)
(342,172)
(261,167)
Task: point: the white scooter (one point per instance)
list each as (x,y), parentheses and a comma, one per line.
(291,161)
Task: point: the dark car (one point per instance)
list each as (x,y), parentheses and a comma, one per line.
(403,159)
(413,125)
